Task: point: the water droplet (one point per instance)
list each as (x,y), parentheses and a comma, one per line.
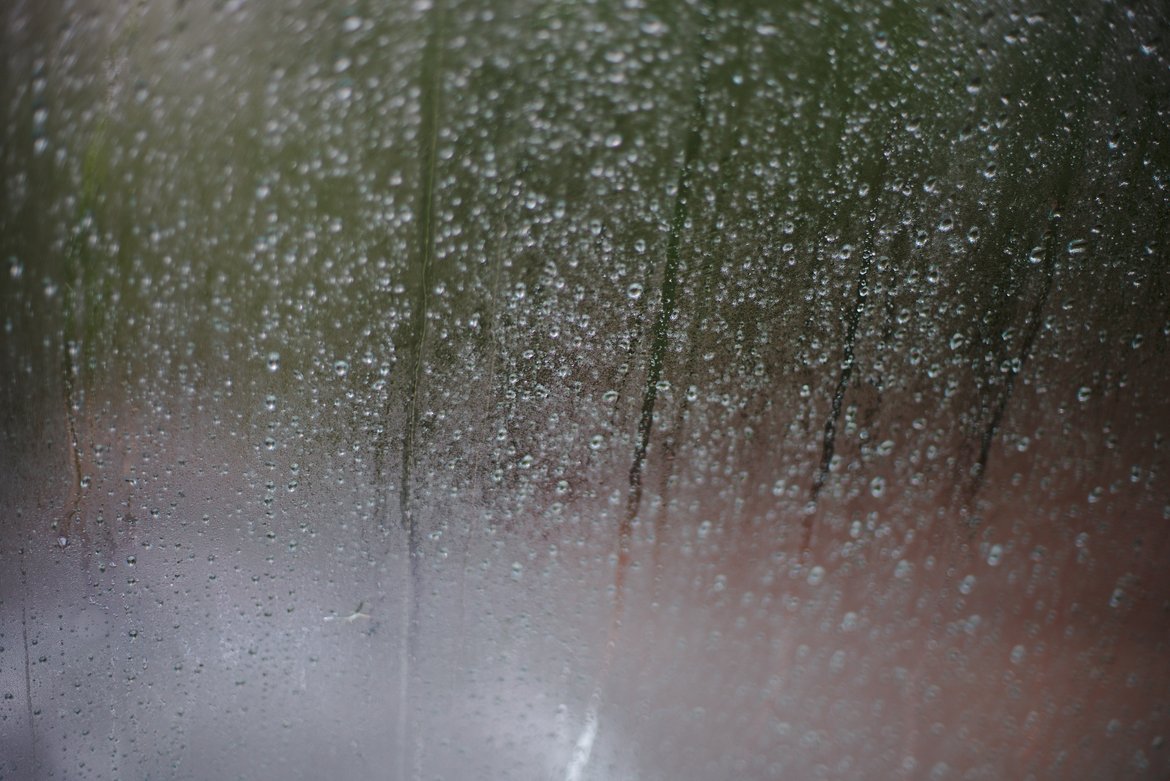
(703,530)
(634,291)
(341,368)
(273,361)
(816,575)
(995,555)
(653,27)
(967,585)
(596,442)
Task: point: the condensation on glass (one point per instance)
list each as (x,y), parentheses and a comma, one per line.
(584,391)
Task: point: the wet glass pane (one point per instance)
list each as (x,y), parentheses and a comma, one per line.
(584,390)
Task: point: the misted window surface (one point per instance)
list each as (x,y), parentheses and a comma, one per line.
(584,391)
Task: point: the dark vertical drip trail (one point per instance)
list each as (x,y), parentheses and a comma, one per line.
(1035,319)
(658,346)
(848,360)
(849,351)
(430,96)
(661,332)
(708,269)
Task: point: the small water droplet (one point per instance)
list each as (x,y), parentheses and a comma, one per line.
(273,361)
(995,555)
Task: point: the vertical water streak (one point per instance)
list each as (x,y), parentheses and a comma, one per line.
(430,93)
(658,346)
(849,349)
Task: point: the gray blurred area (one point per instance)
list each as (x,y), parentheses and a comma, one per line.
(584,391)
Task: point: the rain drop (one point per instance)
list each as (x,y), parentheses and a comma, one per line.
(995,555)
